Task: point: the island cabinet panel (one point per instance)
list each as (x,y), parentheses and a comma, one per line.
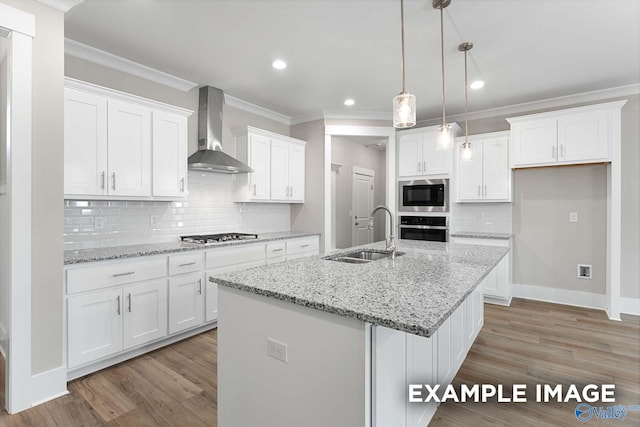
(402,359)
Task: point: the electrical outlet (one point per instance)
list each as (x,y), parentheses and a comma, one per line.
(573,216)
(153,220)
(277,349)
(98,222)
(584,271)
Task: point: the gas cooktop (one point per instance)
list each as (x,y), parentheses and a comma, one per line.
(216,238)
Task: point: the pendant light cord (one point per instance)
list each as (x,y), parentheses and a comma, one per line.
(402,36)
(466,102)
(442,57)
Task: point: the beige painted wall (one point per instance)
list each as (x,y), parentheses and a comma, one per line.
(325,352)
(310,215)
(547,246)
(351,154)
(47,185)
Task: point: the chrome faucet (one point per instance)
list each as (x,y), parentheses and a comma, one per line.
(391,239)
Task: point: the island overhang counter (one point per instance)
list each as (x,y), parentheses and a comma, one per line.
(319,342)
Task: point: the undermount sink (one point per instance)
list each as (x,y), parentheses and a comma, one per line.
(362,256)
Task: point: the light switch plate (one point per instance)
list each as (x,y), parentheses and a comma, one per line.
(277,349)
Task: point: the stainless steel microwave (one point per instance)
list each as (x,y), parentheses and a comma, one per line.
(423,195)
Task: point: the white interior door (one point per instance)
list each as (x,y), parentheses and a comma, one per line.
(362,205)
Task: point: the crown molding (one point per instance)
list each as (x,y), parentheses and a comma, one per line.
(240,104)
(544,104)
(62,5)
(308,117)
(91,54)
(341,115)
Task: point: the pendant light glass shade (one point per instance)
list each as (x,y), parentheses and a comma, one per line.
(466,152)
(404,110)
(404,104)
(445,137)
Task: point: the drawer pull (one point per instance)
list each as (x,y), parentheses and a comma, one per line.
(187,263)
(276,250)
(128,273)
(304,246)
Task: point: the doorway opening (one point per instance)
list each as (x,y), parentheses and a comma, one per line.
(358,185)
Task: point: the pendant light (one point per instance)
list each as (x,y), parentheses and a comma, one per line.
(466,153)
(404,104)
(445,138)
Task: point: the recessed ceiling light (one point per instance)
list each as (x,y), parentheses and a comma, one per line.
(349,102)
(477,84)
(279,64)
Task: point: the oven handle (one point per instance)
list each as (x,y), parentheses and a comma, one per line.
(425,227)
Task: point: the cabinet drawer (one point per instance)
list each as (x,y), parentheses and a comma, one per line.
(305,245)
(116,273)
(275,250)
(186,263)
(241,254)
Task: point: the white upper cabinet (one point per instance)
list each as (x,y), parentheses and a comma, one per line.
(487,176)
(85,143)
(169,155)
(129,153)
(278,164)
(120,145)
(573,136)
(418,153)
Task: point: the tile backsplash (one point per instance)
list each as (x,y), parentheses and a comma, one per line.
(209,209)
(482,217)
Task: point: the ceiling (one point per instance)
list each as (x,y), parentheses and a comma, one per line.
(525,50)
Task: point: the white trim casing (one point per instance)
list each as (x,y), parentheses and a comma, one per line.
(559,296)
(630,306)
(17,20)
(48,385)
(62,5)
(91,54)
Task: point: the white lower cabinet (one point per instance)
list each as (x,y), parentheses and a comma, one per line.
(401,359)
(120,309)
(186,301)
(94,326)
(106,322)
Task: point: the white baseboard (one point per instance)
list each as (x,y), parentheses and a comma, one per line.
(630,306)
(497,301)
(48,385)
(559,296)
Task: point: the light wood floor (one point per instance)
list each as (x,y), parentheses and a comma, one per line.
(529,342)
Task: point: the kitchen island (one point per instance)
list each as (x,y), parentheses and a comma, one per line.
(317,342)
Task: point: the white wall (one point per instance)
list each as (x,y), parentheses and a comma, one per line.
(350,154)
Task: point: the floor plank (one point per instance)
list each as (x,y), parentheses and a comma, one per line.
(530,342)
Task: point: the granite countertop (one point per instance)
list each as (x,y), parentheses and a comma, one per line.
(414,293)
(132,251)
(482,235)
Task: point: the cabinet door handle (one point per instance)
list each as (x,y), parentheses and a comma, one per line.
(291,191)
(424,166)
(186,264)
(553,151)
(113,178)
(128,273)
(129,303)
(200,286)
(182,185)
(118,309)
(254,189)
(287,191)
(102,183)
(479,191)
(419,166)
(562,151)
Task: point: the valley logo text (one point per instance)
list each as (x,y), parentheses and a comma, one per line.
(516,393)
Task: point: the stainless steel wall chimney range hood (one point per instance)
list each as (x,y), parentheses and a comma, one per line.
(210,157)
